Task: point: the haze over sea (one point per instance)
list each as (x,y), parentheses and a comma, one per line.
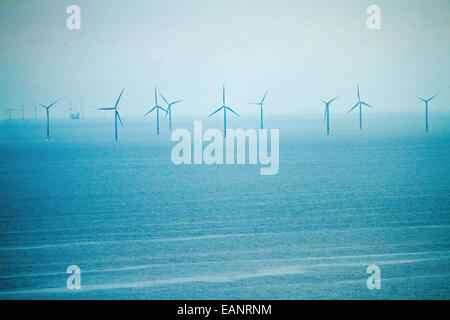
(140,227)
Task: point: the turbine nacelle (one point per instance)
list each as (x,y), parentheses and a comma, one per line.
(428,100)
(50,105)
(330,101)
(261,103)
(169,105)
(155,108)
(359,103)
(224,106)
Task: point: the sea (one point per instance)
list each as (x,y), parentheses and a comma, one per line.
(138,226)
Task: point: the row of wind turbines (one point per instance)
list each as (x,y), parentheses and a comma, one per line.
(157,108)
(21,109)
(168,111)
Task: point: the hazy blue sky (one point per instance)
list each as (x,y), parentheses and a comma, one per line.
(299,49)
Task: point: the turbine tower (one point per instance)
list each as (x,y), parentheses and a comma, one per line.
(360,104)
(157,108)
(426,109)
(169,109)
(225,108)
(261,103)
(327,113)
(116,114)
(9,112)
(47,108)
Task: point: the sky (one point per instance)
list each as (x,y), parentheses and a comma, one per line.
(300,50)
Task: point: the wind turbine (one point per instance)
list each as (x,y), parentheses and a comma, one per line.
(9,112)
(224,107)
(23,109)
(360,104)
(116,113)
(47,108)
(169,110)
(326,116)
(426,109)
(157,108)
(261,103)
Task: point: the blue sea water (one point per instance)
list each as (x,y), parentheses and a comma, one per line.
(140,227)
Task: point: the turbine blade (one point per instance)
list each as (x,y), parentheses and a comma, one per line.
(156,98)
(215,111)
(353,107)
(223,95)
(367,105)
(105,108)
(53,103)
(262,101)
(357,86)
(332,99)
(150,111)
(162,109)
(118,116)
(43,106)
(168,110)
(118,99)
(434,96)
(176,101)
(233,111)
(163,98)
(421,99)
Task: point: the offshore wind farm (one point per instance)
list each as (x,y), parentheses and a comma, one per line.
(135,225)
(99,191)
